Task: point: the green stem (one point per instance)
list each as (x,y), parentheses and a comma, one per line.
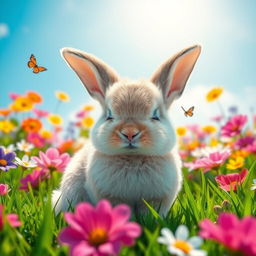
(221,108)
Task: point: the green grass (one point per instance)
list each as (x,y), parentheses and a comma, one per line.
(38,234)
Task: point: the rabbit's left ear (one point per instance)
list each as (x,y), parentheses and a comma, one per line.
(173,74)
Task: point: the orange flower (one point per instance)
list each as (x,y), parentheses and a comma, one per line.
(5,112)
(88,107)
(31,125)
(193,145)
(34,97)
(209,129)
(21,104)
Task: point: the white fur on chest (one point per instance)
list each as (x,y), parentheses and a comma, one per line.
(131,177)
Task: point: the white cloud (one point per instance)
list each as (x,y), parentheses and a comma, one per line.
(4,30)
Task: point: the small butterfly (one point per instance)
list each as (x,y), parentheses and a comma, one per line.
(188,112)
(32,64)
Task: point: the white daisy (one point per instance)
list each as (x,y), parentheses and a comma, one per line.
(24,146)
(206,151)
(8,149)
(179,244)
(25,162)
(253,187)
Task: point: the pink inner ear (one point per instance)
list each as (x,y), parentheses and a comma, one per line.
(182,70)
(85,71)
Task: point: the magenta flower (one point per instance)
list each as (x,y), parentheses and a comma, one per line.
(4,189)
(100,230)
(40,113)
(237,235)
(251,148)
(36,139)
(52,160)
(234,126)
(33,179)
(12,218)
(232,180)
(207,163)
(243,143)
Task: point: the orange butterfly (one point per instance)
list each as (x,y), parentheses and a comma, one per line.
(32,64)
(188,112)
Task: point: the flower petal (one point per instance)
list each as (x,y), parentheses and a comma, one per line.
(195,241)
(182,233)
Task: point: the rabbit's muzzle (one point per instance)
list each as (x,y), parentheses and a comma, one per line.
(130,135)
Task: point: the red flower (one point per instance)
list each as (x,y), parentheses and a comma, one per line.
(232,180)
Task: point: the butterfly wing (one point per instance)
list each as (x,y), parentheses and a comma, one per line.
(32,61)
(36,70)
(41,69)
(189,112)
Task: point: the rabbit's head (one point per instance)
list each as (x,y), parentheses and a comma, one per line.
(134,119)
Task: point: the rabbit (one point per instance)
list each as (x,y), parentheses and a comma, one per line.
(132,154)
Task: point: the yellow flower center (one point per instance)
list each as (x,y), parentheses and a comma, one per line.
(183,246)
(26,163)
(233,183)
(97,236)
(3,162)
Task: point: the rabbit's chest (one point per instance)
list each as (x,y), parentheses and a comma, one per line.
(131,177)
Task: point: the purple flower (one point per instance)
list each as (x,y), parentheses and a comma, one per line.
(6,160)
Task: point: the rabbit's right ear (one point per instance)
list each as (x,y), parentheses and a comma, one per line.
(94,73)
(172,75)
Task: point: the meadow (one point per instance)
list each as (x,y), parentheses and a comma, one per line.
(213,214)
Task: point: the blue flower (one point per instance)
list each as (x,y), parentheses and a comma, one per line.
(6,160)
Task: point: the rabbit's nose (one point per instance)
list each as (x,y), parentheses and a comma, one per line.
(130,133)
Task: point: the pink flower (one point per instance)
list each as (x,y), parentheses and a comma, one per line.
(14,95)
(33,179)
(237,235)
(232,180)
(52,160)
(234,126)
(12,218)
(100,230)
(207,163)
(4,189)
(82,114)
(40,113)
(217,119)
(36,139)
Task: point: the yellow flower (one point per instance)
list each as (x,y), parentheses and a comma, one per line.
(181,131)
(214,94)
(236,163)
(46,134)
(21,104)
(55,119)
(209,129)
(6,126)
(88,107)
(62,96)
(88,122)
(213,142)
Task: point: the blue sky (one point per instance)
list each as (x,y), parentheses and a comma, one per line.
(134,37)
